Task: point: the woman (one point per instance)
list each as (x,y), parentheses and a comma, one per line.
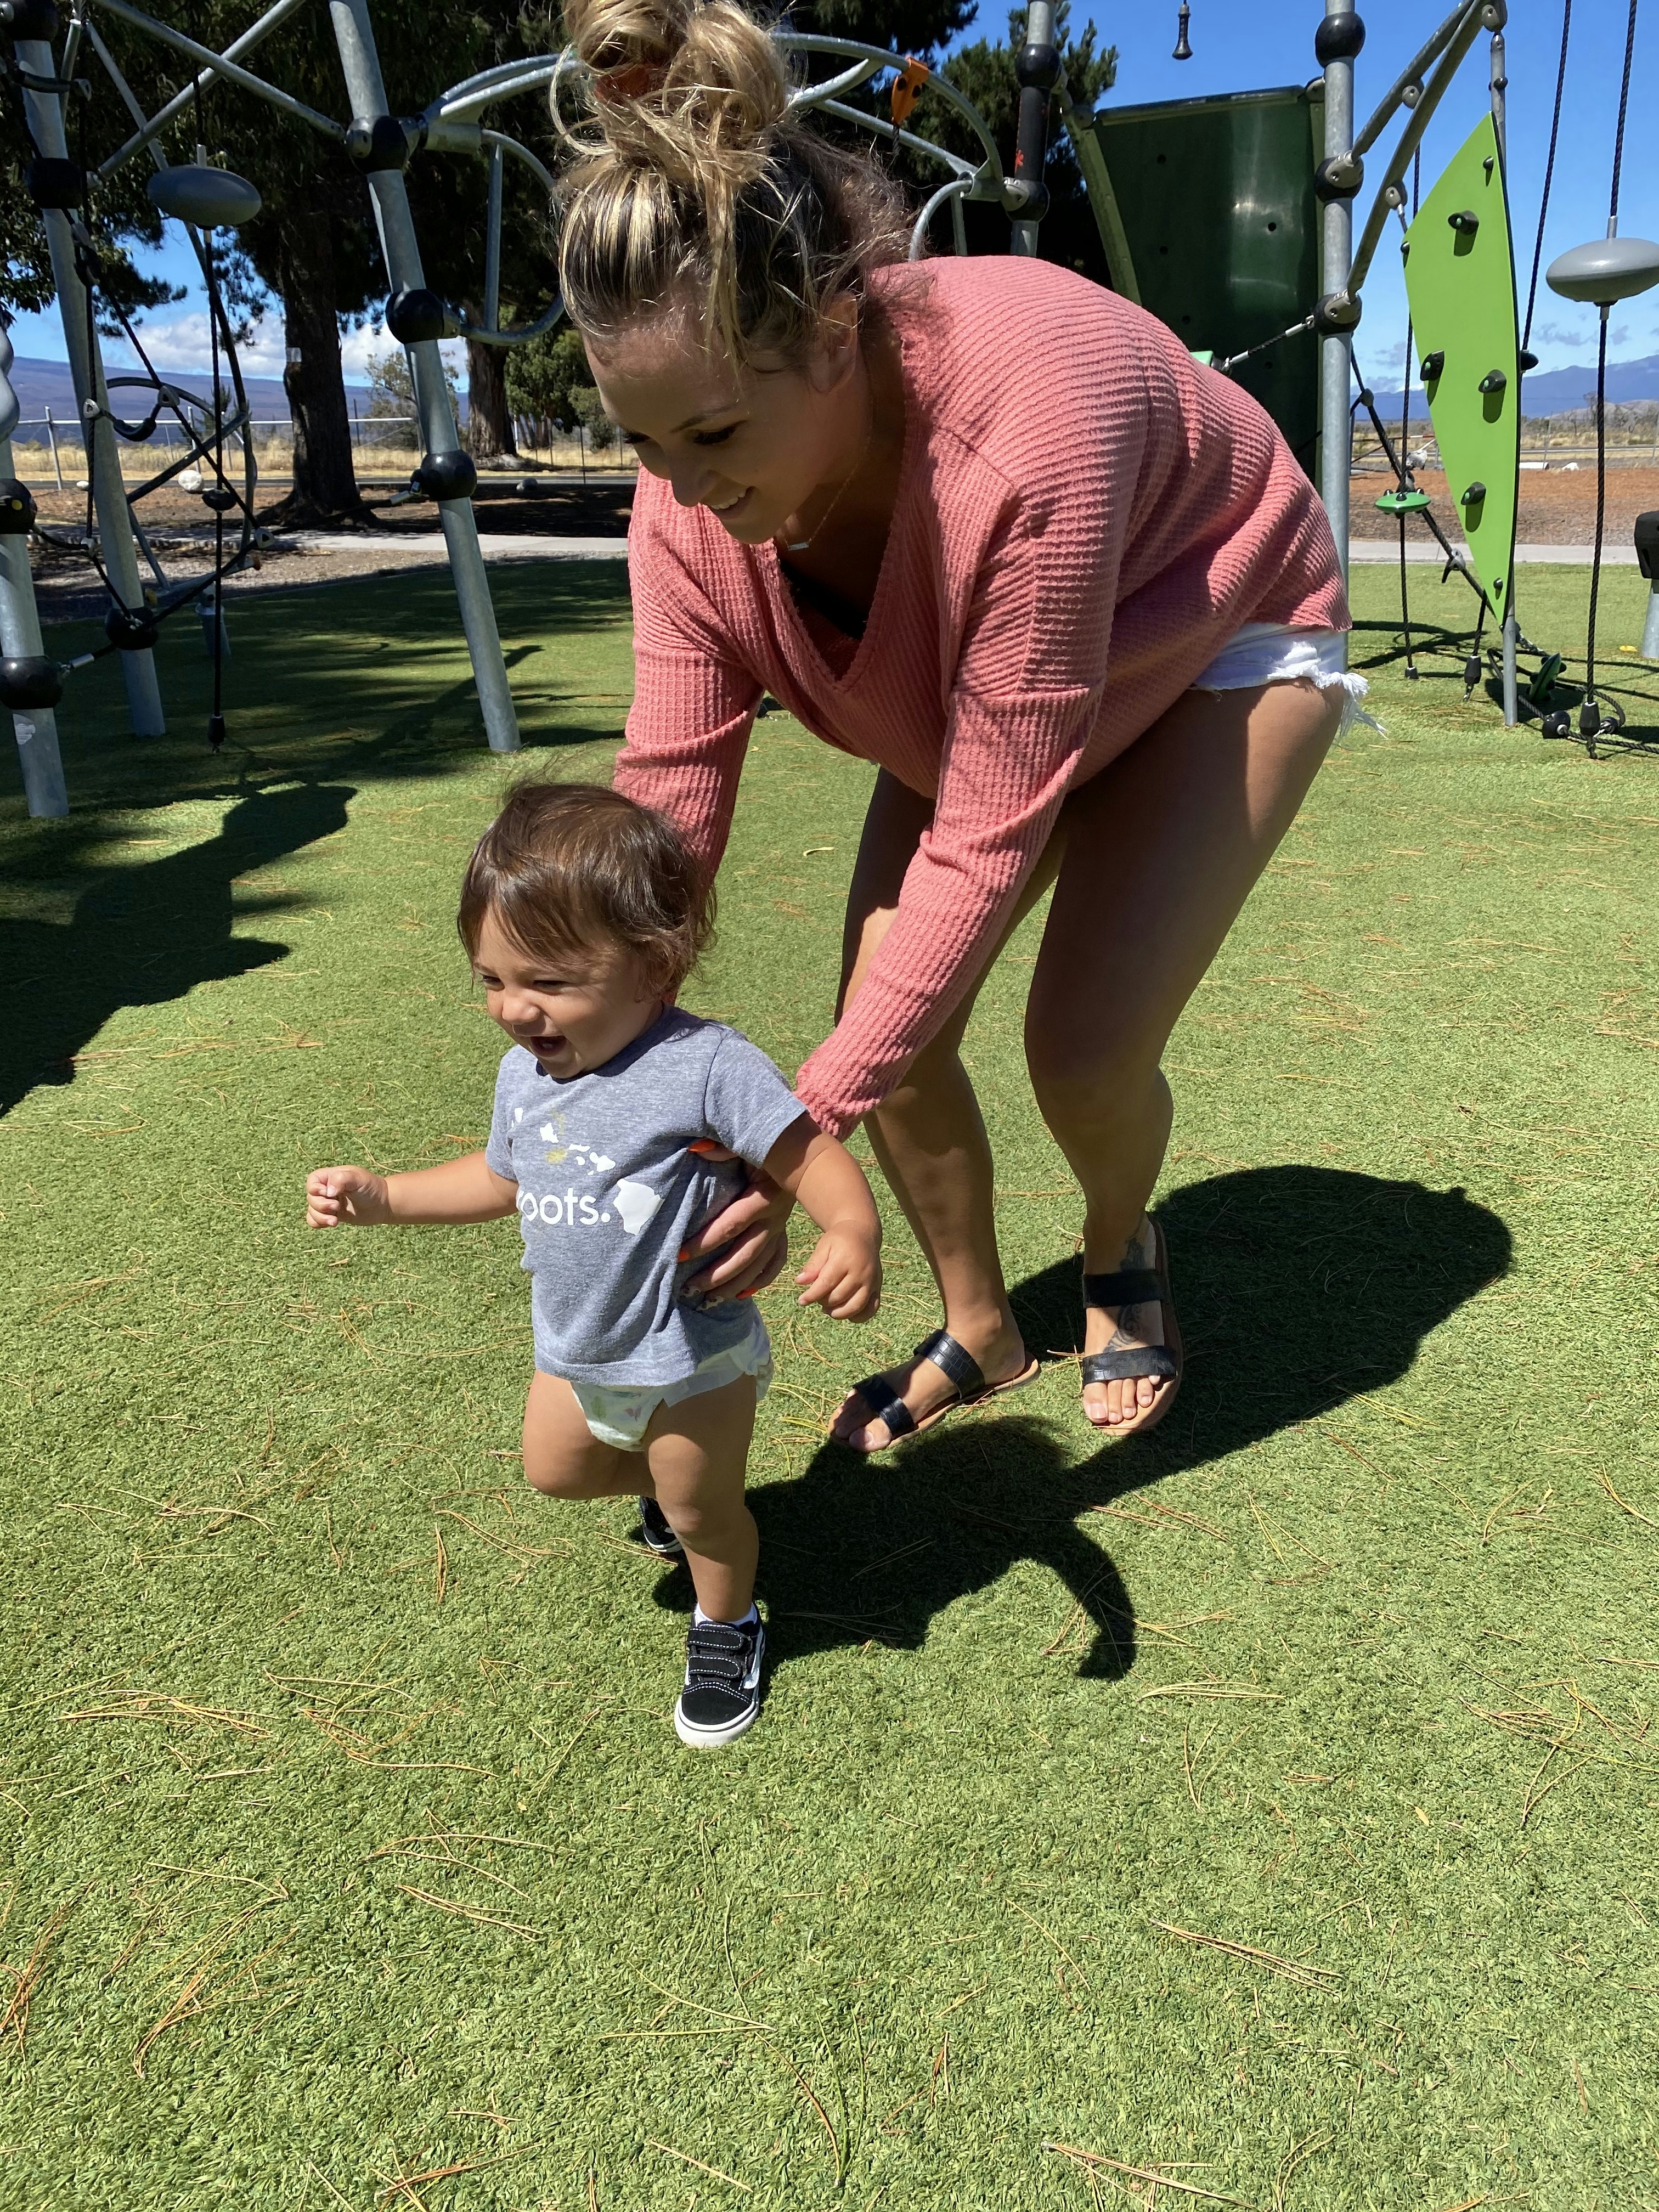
(987,526)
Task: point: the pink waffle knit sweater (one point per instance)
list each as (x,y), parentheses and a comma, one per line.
(1084,517)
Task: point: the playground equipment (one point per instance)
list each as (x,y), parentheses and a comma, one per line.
(1258,190)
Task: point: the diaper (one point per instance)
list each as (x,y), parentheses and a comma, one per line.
(620,1417)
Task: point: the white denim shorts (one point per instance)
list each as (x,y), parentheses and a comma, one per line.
(620,1417)
(1274,653)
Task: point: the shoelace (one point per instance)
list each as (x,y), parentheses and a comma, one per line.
(717,1656)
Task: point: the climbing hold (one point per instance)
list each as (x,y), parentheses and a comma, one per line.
(1526,359)
(132,629)
(220,497)
(1433,367)
(1647,542)
(16,508)
(1493,380)
(447,475)
(1403,502)
(1473,494)
(1605,270)
(211,199)
(29,679)
(1464,221)
(906,89)
(413,315)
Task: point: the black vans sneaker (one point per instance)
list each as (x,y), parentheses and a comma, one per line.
(655,1532)
(721,1696)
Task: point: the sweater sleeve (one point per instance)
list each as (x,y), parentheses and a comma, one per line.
(1015,730)
(694,701)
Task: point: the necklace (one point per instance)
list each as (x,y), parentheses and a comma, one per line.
(802,544)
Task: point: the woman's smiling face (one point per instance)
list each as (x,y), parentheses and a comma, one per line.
(751,442)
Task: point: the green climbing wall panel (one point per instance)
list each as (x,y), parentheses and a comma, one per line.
(1207,215)
(1460,280)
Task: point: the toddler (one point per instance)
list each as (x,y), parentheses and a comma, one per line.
(617,1118)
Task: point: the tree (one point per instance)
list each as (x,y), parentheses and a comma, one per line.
(544,380)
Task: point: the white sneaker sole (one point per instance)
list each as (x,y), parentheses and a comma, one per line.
(706,1739)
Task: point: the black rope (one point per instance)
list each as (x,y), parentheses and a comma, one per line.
(1549,171)
(1618,135)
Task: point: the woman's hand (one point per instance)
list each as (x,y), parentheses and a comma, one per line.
(335,1196)
(751,1236)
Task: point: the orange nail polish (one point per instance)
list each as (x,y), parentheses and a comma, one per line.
(682,1253)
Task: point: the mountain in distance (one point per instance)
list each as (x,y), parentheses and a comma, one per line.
(1553,390)
(42,384)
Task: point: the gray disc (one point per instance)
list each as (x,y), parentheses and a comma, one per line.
(1605,269)
(212,199)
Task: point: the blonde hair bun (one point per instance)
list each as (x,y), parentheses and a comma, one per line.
(697,172)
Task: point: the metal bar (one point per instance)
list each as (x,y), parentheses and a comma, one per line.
(952,191)
(505,81)
(355,36)
(498,141)
(1411,74)
(1410,139)
(1511,632)
(1336,422)
(221,65)
(901,137)
(492,300)
(941,87)
(45,111)
(1097,183)
(34,728)
(250,38)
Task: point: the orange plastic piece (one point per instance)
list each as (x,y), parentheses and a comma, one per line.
(906,89)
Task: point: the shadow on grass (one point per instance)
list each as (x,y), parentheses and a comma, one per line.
(140,936)
(1298,1288)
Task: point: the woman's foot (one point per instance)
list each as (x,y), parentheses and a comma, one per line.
(925,1388)
(1125,1328)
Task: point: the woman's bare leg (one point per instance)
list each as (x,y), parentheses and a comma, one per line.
(1161,850)
(928,1133)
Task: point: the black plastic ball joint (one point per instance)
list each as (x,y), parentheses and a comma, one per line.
(132,629)
(1038,65)
(413,316)
(17,508)
(1335,314)
(29,18)
(447,475)
(1338,39)
(1339,177)
(29,679)
(382,144)
(54,184)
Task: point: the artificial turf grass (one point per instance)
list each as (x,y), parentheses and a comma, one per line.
(933,1874)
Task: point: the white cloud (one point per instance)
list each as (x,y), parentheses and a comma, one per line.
(179,341)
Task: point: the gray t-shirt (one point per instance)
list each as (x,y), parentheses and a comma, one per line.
(608,1194)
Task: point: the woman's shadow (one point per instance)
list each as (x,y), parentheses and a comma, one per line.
(1297,1287)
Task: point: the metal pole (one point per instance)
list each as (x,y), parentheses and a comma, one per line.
(45,111)
(1500,85)
(35,728)
(1336,423)
(492,300)
(51,440)
(355,37)
(1650,627)
(1037,70)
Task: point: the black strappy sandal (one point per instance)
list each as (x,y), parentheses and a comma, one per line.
(1162,1362)
(883,1403)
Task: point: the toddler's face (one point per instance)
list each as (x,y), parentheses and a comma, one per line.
(574,1015)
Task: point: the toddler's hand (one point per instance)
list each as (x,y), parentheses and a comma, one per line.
(338,1196)
(843,1275)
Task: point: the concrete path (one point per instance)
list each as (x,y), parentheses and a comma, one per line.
(1425,553)
(429,545)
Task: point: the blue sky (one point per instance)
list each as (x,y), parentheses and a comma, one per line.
(1267,42)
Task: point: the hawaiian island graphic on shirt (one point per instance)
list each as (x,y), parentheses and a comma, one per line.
(635,1202)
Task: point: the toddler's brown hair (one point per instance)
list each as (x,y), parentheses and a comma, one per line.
(564,864)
